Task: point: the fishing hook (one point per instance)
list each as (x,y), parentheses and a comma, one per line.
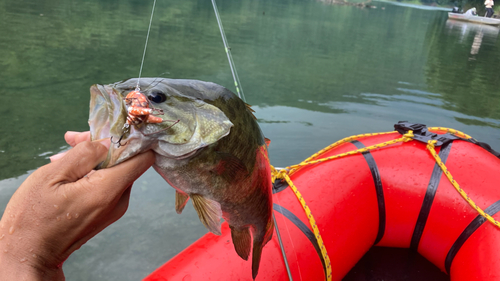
(126,128)
(118,143)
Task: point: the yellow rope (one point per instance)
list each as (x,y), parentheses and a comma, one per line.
(451,131)
(335,144)
(430,147)
(312,222)
(285,174)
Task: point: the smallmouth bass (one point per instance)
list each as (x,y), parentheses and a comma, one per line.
(209,147)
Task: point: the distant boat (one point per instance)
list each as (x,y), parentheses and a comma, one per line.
(474,19)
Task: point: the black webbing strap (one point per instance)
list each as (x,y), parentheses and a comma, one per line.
(378,188)
(304,228)
(429,197)
(468,231)
(485,146)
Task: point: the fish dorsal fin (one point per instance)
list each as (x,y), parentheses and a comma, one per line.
(180,201)
(250,109)
(267,141)
(209,212)
(242,241)
(230,167)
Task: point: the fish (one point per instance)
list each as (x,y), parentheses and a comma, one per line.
(208,147)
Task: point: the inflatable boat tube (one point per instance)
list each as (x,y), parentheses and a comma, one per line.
(394,196)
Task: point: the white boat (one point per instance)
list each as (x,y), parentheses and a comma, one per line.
(474,19)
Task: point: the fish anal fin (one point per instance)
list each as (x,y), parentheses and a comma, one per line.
(209,212)
(242,241)
(180,201)
(230,167)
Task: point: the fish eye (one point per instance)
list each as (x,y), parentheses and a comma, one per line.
(157,97)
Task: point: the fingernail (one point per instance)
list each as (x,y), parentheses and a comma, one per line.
(57,156)
(71,133)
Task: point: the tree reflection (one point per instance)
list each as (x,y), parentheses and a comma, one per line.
(462,66)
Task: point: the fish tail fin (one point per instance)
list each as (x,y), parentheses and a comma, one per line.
(256,254)
(258,244)
(242,241)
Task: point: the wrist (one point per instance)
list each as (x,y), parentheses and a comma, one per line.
(13,268)
(23,259)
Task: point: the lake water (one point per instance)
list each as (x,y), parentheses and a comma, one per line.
(314,74)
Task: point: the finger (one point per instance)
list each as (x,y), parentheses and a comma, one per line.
(113,181)
(74,138)
(77,162)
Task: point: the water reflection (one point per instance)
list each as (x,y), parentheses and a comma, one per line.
(465,28)
(479,31)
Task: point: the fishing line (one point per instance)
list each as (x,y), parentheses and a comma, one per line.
(237,84)
(239,91)
(282,247)
(145,46)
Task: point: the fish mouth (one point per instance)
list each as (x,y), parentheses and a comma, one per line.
(107,118)
(189,123)
(107,113)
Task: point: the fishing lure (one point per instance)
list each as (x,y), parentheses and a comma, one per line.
(139,112)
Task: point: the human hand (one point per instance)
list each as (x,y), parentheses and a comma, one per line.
(61,206)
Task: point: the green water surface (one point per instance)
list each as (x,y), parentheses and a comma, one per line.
(314,73)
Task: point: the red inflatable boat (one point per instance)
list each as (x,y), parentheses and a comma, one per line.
(380,189)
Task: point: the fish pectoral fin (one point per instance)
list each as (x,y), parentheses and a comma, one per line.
(230,167)
(209,212)
(180,201)
(242,241)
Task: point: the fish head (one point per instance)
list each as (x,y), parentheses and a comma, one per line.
(189,123)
